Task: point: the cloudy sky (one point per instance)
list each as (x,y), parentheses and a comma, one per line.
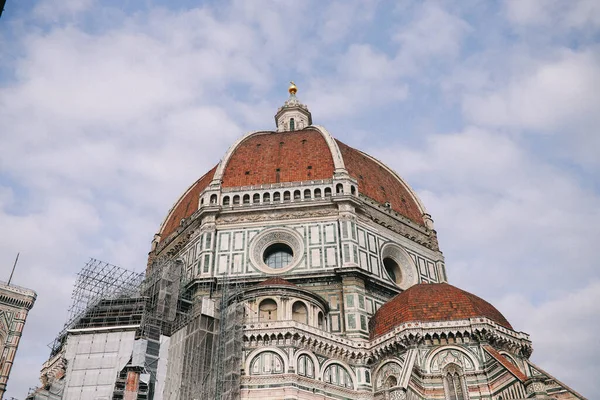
(110,109)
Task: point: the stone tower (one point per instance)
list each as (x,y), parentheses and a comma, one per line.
(15,303)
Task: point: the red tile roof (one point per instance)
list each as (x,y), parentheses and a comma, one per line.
(432,302)
(187,204)
(279,157)
(298,156)
(275,281)
(505,363)
(376,182)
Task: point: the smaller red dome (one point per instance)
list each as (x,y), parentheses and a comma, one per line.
(428,302)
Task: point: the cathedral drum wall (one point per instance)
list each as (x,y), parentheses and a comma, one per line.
(321,245)
(373,243)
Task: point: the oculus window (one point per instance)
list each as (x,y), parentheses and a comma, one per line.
(393,270)
(278,256)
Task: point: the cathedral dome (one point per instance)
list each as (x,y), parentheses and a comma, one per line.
(432,302)
(303,155)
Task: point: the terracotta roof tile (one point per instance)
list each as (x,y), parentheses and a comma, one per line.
(187,204)
(505,363)
(432,302)
(378,183)
(279,157)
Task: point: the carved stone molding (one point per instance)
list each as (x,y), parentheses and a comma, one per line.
(275,216)
(399,227)
(408,269)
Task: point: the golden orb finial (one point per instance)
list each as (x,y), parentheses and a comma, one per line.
(293,88)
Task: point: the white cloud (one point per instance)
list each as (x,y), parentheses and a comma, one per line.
(432,33)
(558,14)
(342,18)
(364,77)
(558,94)
(54,10)
(562,331)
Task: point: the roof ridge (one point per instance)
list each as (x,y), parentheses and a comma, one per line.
(276,280)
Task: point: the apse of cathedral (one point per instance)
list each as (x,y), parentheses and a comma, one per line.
(297,268)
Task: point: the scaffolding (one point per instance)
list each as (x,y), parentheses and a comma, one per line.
(207,343)
(169,303)
(203,319)
(229,347)
(103,295)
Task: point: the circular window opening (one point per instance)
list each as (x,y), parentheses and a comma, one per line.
(278,256)
(393,270)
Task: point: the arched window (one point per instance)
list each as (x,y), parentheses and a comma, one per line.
(246,199)
(306,367)
(353,189)
(276,196)
(256,198)
(328,192)
(267,198)
(299,312)
(297,195)
(307,194)
(339,188)
(454,384)
(213,199)
(337,375)
(267,310)
(226,200)
(236,199)
(286,196)
(391,382)
(317,193)
(201,200)
(267,362)
(292,124)
(321,321)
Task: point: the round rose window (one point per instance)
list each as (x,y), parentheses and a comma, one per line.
(278,255)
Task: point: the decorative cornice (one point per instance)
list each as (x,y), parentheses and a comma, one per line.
(397,223)
(305,336)
(276,215)
(402,337)
(480,329)
(16,296)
